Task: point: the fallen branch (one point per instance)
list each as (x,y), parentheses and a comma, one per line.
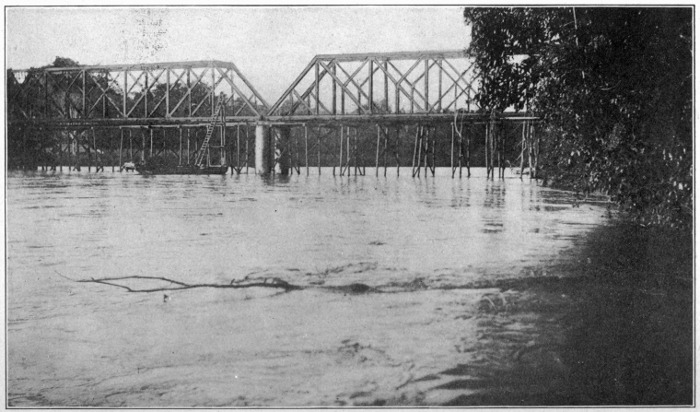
(247,282)
(234,284)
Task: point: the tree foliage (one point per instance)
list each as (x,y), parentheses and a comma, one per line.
(614,88)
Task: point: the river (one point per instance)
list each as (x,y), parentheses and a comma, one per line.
(438,317)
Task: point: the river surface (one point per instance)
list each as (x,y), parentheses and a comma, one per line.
(401,287)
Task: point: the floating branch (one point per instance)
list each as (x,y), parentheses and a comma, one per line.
(247,282)
(177,285)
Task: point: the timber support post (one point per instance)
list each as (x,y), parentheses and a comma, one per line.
(486,149)
(396,149)
(74,141)
(89,151)
(468,155)
(143,146)
(306,147)
(523,148)
(121,149)
(376,169)
(282,151)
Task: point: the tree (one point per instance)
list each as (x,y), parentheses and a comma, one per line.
(63,62)
(614,89)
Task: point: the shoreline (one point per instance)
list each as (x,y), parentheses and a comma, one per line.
(615,328)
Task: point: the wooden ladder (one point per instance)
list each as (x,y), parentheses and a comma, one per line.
(210,132)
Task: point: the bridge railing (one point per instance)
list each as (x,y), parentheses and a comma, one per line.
(380,85)
(123,94)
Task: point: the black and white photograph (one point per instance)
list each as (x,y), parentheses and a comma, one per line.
(349,206)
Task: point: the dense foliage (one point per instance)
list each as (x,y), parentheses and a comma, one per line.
(614,89)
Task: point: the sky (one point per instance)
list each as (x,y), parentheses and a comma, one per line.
(270,45)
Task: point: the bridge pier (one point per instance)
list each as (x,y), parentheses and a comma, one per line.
(272,150)
(263,150)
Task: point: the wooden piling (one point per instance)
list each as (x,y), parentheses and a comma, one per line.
(121,148)
(386,147)
(70,146)
(111,152)
(238,150)
(452,151)
(523,146)
(89,154)
(469,153)
(340,162)
(536,141)
(461,149)
(297,152)
(432,154)
(376,163)
(529,150)
(415,154)
(347,143)
(77,151)
(502,161)
(99,167)
(497,139)
(224,144)
(425,137)
(247,153)
(60,151)
(306,147)
(486,149)
(71,152)
(179,147)
(354,152)
(318,149)
(494,148)
(396,151)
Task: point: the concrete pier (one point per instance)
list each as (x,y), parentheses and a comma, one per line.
(263,150)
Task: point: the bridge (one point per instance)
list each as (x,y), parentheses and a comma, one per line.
(349,111)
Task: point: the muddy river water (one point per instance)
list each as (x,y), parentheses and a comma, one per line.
(409,290)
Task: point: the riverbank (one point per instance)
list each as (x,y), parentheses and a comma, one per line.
(611,324)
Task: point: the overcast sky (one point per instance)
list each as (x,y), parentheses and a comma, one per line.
(270,45)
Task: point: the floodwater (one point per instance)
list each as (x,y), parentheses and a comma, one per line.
(404,295)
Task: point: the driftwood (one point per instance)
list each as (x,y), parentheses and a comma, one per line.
(247,282)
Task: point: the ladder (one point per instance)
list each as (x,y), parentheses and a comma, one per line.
(210,131)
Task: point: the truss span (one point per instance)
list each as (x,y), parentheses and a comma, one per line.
(400,86)
(124,95)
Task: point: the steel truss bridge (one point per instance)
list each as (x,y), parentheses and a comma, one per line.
(350,111)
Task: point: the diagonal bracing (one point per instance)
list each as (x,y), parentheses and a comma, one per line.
(141,94)
(373,85)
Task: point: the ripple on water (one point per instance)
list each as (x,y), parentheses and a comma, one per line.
(403,281)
